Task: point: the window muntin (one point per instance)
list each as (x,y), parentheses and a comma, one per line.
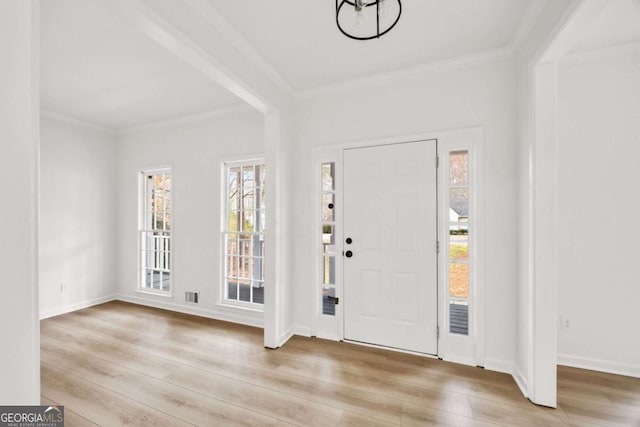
(243,232)
(328,232)
(458,239)
(155,231)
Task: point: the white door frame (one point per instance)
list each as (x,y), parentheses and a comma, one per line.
(469,350)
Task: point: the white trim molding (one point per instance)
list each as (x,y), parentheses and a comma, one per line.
(188,119)
(521,382)
(594,55)
(233,315)
(78,122)
(75,306)
(608,366)
(497,365)
(427,68)
(286,336)
(302,331)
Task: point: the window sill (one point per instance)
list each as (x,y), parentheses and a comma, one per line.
(155,293)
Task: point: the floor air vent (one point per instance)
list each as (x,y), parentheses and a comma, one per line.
(191,297)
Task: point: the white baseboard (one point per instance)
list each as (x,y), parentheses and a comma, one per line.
(608,366)
(45,314)
(521,382)
(286,336)
(302,331)
(496,365)
(511,369)
(226,315)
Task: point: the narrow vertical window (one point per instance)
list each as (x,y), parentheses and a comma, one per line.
(155,231)
(328,261)
(243,232)
(458,242)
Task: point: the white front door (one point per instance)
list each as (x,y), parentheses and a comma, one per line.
(390,231)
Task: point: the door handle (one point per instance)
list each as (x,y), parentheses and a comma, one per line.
(348,254)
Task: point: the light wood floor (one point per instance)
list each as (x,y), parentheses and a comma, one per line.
(119,363)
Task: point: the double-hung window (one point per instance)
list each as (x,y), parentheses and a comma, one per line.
(155,231)
(243,232)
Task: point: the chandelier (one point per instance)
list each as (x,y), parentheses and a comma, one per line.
(367,19)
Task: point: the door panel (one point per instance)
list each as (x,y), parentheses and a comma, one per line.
(390,212)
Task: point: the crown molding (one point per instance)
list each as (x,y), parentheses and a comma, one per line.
(191,118)
(575,58)
(431,67)
(161,124)
(77,122)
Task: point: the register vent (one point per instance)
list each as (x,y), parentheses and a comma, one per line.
(192,297)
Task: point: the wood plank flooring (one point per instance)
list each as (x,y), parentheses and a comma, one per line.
(123,364)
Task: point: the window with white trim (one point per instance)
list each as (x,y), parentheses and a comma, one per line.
(243,232)
(155,231)
(459,266)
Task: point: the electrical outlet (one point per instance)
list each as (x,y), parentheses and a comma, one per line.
(565,322)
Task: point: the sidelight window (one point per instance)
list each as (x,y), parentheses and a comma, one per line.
(458,259)
(328,261)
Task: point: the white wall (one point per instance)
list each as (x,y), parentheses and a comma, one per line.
(598,152)
(78,214)
(429,101)
(19,326)
(195,151)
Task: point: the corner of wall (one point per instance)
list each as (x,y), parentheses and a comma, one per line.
(521,381)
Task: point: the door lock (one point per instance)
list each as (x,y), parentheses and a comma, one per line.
(348,254)
(349,240)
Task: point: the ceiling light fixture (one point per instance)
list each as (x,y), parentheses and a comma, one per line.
(360,8)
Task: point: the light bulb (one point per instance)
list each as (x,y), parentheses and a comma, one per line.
(383,10)
(359,18)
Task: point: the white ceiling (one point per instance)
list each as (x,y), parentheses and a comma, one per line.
(299,38)
(97,68)
(617,24)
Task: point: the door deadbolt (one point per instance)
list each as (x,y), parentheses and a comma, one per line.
(349,240)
